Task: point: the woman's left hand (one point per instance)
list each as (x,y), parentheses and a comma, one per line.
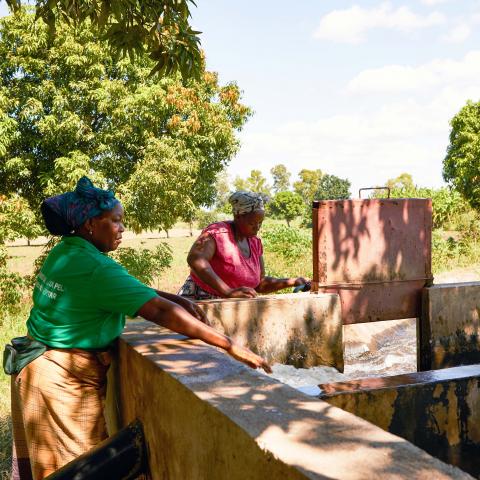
(301,281)
(193,309)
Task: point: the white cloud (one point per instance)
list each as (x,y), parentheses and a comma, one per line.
(401,78)
(431,3)
(351,25)
(407,131)
(458,34)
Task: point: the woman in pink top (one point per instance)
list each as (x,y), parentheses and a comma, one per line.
(226,260)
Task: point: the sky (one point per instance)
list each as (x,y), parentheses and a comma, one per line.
(363,90)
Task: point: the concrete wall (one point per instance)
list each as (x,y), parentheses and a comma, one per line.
(450,326)
(207,416)
(439,411)
(303,330)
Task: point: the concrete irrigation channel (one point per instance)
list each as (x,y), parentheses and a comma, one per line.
(206,416)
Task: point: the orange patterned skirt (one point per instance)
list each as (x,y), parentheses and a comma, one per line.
(57,410)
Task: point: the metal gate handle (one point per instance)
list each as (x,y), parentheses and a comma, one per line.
(374,188)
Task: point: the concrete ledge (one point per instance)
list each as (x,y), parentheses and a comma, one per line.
(439,411)
(450,326)
(208,417)
(303,330)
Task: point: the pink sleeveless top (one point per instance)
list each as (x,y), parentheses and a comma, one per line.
(229,263)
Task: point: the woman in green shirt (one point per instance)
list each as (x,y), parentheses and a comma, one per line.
(80,301)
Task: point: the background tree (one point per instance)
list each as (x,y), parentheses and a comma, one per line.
(161,27)
(333,188)
(308,184)
(17,220)
(286,206)
(67,108)
(404,182)
(222,193)
(461,166)
(240,184)
(256,182)
(281,178)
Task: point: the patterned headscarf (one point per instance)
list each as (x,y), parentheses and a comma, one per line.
(246,202)
(68,211)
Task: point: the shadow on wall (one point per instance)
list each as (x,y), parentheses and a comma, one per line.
(303,330)
(196,403)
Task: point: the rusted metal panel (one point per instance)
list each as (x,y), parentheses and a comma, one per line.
(375,253)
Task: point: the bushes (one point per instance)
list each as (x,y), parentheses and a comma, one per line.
(450,252)
(12,285)
(204,218)
(288,251)
(289,243)
(143,263)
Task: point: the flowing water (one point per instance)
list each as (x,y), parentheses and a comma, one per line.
(370,350)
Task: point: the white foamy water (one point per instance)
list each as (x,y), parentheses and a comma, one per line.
(370,350)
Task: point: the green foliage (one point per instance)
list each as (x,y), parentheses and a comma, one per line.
(331,187)
(206,217)
(12,286)
(133,26)
(256,182)
(68,108)
(286,206)
(308,184)
(38,263)
(143,263)
(403,181)
(289,243)
(449,252)
(17,219)
(281,178)
(222,193)
(461,165)
(12,324)
(448,206)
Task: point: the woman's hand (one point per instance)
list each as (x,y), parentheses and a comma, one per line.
(301,281)
(241,292)
(193,309)
(246,356)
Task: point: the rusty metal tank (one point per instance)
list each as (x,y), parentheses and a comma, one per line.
(375,253)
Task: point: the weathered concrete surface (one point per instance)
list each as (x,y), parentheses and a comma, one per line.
(450,326)
(304,330)
(207,416)
(439,411)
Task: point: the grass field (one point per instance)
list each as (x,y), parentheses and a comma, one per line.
(10,326)
(21,260)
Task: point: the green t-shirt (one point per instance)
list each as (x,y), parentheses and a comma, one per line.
(82,296)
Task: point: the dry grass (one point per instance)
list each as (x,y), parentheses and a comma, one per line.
(22,257)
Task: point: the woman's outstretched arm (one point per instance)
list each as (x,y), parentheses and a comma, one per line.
(272,284)
(168,314)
